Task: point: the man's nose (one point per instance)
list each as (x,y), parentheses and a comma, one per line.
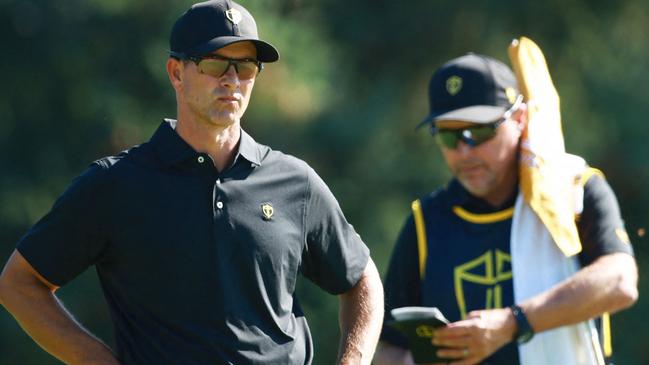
(463,148)
(230,78)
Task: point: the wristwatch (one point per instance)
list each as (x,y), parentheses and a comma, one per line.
(524,331)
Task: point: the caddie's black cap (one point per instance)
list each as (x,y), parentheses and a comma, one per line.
(472,88)
(214,24)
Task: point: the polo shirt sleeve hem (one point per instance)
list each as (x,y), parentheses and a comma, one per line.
(355,274)
(49,276)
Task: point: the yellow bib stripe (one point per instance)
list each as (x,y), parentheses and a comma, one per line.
(606,335)
(422,244)
(590,172)
(483,218)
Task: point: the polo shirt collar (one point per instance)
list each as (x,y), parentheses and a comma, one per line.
(169,146)
(249,149)
(172,149)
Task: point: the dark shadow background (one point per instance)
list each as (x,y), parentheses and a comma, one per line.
(85,78)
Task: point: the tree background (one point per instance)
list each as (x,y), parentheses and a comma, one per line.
(86,78)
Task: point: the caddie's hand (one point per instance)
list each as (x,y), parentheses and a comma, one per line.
(470,341)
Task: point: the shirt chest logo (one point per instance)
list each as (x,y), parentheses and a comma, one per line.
(267,211)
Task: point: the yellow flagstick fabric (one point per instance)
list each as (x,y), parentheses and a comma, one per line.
(547,190)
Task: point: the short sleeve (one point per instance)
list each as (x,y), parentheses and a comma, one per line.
(71,236)
(601,228)
(335,256)
(402,282)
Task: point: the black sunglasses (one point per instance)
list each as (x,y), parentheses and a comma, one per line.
(471,136)
(217,66)
(474,135)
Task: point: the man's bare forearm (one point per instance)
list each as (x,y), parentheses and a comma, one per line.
(361,318)
(607,285)
(43,317)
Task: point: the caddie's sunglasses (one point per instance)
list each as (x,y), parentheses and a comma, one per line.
(217,66)
(474,135)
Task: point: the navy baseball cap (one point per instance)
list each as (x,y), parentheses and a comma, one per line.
(471,88)
(214,24)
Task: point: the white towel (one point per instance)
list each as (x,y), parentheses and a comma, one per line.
(537,265)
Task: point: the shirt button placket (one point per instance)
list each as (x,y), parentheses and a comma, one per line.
(217,196)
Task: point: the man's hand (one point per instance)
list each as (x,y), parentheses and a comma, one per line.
(464,342)
(472,340)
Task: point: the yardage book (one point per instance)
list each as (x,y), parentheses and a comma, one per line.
(417,324)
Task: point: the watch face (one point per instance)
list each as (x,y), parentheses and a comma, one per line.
(524,331)
(524,337)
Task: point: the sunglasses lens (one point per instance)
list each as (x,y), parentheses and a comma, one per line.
(217,67)
(247,69)
(473,136)
(213,66)
(482,134)
(447,138)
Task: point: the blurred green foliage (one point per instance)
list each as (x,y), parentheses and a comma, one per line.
(86,78)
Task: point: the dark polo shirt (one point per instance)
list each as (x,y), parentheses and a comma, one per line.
(468,265)
(199,266)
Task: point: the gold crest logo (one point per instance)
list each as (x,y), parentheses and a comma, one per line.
(454,85)
(267,210)
(233,15)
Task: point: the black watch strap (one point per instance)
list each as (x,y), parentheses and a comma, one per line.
(524,331)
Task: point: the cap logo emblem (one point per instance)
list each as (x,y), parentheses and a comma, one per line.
(454,85)
(267,210)
(233,15)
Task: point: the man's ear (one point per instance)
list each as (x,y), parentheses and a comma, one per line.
(175,72)
(520,116)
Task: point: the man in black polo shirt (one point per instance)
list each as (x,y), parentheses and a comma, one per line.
(454,250)
(199,234)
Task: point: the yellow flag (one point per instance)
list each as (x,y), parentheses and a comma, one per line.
(546,188)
